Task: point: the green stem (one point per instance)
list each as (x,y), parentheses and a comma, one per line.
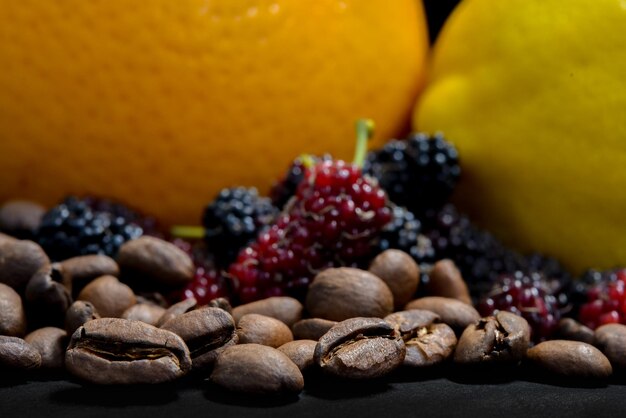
(364,131)
(187,231)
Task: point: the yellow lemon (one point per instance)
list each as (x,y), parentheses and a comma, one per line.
(533,93)
(162,103)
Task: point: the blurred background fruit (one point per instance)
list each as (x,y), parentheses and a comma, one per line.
(162,104)
(532,93)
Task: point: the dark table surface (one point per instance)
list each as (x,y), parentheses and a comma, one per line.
(408,395)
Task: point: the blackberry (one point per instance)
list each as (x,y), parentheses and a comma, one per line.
(284,189)
(419,172)
(148,224)
(404,233)
(234,219)
(528,295)
(72,228)
(600,297)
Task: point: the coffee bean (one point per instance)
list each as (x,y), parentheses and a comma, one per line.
(12,314)
(77,314)
(570,329)
(453,312)
(51,343)
(342,293)
(144,312)
(400,272)
(264,330)
(428,343)
(21,218)
(311,328)
(121,351)
(4,238)
(78,271)
(571,359)
(301,352)
(503,338)
(206,331)
(445,280)
(47,298)
(19,261)
(611,340)
(283,308)
(256,370)
(223,304)
(360,348)
(177,309)
(109,296)
(17,354)
(155,259)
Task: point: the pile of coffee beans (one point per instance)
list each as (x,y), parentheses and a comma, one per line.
(104,321)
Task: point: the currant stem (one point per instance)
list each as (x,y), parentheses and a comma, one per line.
(364,131)
(307,160)
(187,231)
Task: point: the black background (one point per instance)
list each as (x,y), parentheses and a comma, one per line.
(439,393)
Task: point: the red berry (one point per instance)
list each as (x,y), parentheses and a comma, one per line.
(606,300)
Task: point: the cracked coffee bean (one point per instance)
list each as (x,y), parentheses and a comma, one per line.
(17,354)
(261,329)
(110,296)
(453,312)
(301,352)
(503,338)
(79,313)
(311,328)
(255,369)
(342,293)
(283,308)
(428,342)
(360,348)
(570,359)
(51,343)
(12,314)
(47,298)
(611,340)
(206,331)
(400,272)
(120,351)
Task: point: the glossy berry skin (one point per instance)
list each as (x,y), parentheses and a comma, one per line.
(419,173)
(286,188)
(334,220)
(234,219)
(530,296)
(72,228)
(606,300)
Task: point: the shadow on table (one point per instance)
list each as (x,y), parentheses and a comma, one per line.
(216,394)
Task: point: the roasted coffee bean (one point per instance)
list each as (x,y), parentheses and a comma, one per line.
(264,330)
(256,369)
(12,314)
(503,338)
(611,340)
(360,348)
(206,331)
(177,309)
(121,351)
(428,343)
(19,261)
(223,304)
(21,218)
(283,308)
(4,238)
(570,329)
(570,359)
(445,280)
(47,298)
(301,352)
(342,293)
(17,354)
(453,312)
(311,328)
(154,259)
(144,312)
(400,272)
(51,343)
(77,314)
(110,296)
(78,271)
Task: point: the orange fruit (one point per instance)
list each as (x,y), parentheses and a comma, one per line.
(160,104)
(533,94)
